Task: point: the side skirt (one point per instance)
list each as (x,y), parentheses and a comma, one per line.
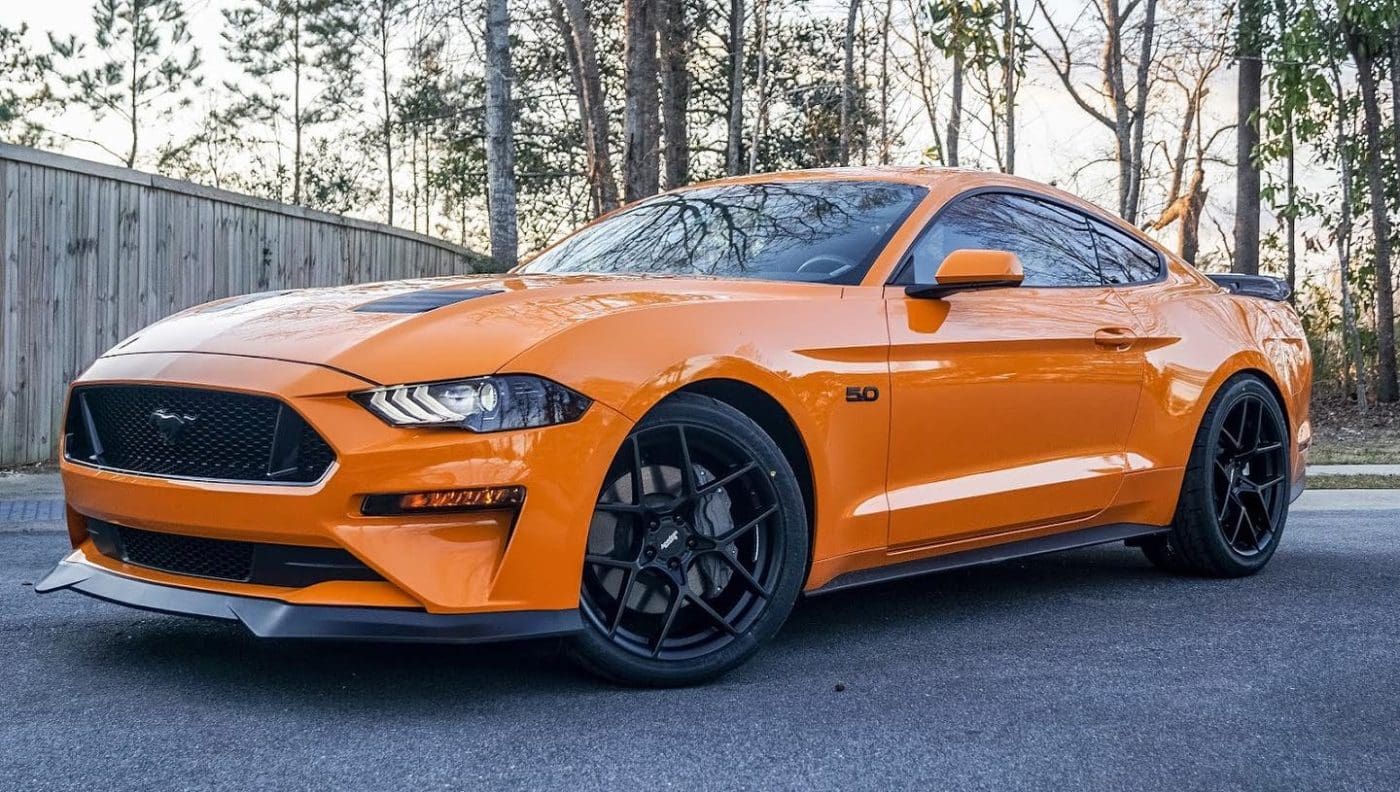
(1069,540)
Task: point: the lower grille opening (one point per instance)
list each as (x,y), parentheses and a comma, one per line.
(293,566)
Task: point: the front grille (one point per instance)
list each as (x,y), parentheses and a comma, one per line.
(162,430)
(186,555)
(222,559)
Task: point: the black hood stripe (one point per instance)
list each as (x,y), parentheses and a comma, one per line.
(423,301)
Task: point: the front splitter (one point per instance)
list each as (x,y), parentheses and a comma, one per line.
(268,618)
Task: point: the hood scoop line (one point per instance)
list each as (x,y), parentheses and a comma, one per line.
(423,301)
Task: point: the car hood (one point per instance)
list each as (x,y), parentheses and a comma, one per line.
(425,329)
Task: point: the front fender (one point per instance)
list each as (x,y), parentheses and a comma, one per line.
(804,353)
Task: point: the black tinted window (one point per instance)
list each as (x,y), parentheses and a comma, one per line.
(828,231)
(1054,244)
(1124,259)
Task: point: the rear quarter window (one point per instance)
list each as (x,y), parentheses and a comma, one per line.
(1122,259)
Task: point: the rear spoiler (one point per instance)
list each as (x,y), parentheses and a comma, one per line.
(1261,286)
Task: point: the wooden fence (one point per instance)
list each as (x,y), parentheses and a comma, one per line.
(91,253)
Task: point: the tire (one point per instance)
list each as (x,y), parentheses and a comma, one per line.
(1235,491)
(687,581)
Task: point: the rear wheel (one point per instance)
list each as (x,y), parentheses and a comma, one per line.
(1234,496)
(696,550)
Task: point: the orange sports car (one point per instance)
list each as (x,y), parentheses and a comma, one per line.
(657,434)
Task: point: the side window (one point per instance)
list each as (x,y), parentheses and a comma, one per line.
(1054,245)
(1124,259)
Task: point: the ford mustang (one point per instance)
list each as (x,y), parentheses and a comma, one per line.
(656,435)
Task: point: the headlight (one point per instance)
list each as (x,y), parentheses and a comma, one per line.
(481,404)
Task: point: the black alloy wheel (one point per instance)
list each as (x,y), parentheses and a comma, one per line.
(1250,482)
(696,548)
(1235,492)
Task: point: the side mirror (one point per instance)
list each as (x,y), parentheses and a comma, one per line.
(971,269)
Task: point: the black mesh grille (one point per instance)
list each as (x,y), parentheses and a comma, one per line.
(195,433)
(187,555)
(263,563)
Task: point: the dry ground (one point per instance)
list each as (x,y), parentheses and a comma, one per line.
(1343,435)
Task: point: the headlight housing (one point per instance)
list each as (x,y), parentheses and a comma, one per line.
(480,404)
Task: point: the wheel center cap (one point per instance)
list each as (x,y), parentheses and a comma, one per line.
(673,538)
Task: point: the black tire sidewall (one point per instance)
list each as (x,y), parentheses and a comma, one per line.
(600,655)
(1199,518)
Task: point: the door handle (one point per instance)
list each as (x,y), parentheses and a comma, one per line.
(1119,339)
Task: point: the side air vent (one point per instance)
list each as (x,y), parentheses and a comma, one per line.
(423,301)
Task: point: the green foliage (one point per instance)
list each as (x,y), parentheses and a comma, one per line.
(968,28)
(299,60)
(138,65)
(23,89)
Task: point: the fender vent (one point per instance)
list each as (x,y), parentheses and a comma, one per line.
(423,301)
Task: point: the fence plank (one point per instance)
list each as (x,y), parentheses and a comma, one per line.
(90,253)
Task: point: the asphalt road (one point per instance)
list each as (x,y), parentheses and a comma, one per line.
(1085,670)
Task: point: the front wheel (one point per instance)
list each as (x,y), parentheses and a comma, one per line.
(697,547)
(1234,496)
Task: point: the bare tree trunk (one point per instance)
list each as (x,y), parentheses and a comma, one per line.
(1189,241)
(950,145)
(1010,20)
(387,128)
(1291,218)
(296,105)
(760,117)
(925,78)
(885,83)
(1121,114)
(848,80)
(1141,89)
(1350,334)
(1386,385)
(593,111)
(1251,69)
(675,91)
(1122,123)
(137,34)
(734,151)
(500,137)
(641,150)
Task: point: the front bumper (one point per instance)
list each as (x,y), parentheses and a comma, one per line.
(526,560)
(270,618)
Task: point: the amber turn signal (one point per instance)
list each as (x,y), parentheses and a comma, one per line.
(504,497)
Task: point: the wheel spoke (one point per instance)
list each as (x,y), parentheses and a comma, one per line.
(689,486)
(1227,496)
(727,480)
(619,508)
(671,610)
(636,471)
(1258,426)
(734,535)
(607,561)
(1239,521)
(712,613)
(623,592)
(743,573)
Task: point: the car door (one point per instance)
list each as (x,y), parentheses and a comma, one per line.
(1011,407)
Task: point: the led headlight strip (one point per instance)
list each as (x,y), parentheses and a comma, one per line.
(481,404)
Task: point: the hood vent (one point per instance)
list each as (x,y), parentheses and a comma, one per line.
(423,301)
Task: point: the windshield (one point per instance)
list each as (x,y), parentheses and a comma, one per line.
(821,231)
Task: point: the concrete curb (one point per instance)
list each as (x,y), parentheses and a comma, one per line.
(1354,470)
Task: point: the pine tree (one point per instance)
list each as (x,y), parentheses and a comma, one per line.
(141,66)
(22,88)
(299,56)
